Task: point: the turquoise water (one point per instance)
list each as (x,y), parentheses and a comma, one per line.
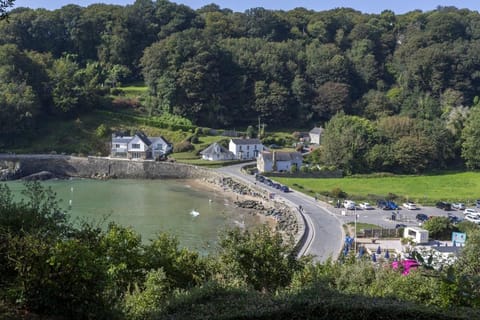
(151,206)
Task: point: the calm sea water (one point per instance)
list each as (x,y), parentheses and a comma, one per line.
(152,206)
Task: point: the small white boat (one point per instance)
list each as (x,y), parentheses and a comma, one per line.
(194,213)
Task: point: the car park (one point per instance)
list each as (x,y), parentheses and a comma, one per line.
(444,205)
(470,211)
(410,206)
(475,218)
(421,217)
(365,206)
(458,206)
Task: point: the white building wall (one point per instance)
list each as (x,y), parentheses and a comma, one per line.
(283,165)
(136,140)
(245,151)
(120,147)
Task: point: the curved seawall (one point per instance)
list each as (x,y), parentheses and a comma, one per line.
(19,166)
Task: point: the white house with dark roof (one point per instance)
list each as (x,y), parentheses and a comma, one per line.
(216,152)
(316,135)
(245,149)
(139,146)
(278,161)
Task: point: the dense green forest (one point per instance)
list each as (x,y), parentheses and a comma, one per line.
(401,89)
(52,267)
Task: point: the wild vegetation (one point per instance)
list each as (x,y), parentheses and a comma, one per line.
(394,92)
(54,269)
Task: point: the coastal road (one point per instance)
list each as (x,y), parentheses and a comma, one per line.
(325,233)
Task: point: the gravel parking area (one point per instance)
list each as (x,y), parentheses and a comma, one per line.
(383,218)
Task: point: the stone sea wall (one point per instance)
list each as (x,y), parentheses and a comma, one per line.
(20,166)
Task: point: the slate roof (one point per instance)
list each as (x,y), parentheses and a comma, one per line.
(283,156)
(316,130)
(121,139)
(142,136)
(155,139)
(246,141)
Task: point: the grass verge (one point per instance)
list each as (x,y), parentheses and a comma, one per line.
(427,189)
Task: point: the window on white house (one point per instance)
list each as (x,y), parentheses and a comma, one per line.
(248,147)
(135,146)
(117,145)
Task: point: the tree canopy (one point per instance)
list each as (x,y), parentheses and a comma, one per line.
(220,68)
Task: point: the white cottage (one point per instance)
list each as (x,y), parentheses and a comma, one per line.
(278,161)
(139,146)
(316,135)
(216,152)
(245,149)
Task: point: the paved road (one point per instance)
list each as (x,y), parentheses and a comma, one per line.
(325,232)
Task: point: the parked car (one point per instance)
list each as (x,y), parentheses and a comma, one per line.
(259,177)
(454,219)
(284,189)
(349,204)
(392,205)
(410,206)
(421,217)
(475,218)
(365,206)
(470,211)
(458,206)
(387,205)
(400,225)
(268,182)
(382,204)
(477,203)
(444,205)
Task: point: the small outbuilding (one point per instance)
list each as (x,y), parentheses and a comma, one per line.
(316,135)
(418,235)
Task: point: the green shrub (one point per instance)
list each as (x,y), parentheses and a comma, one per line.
(184,146)
(140,304)
(338,193)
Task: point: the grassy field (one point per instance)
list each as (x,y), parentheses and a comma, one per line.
(134,89)
(428,189)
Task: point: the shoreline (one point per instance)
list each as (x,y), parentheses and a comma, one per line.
(279,215)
